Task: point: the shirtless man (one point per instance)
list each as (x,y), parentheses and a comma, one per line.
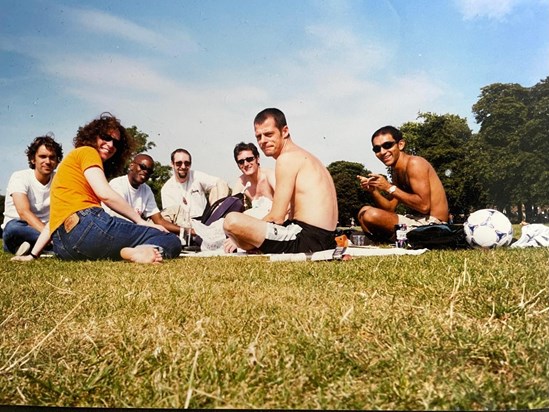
(415,185)
(304,187)
(259,182)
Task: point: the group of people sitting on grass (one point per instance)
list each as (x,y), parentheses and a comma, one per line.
(69,207)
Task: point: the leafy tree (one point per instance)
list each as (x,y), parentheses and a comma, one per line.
(501,111)
(514,143)
(141,140)
(156,181)
(534,145)
(443,140)
(350,196)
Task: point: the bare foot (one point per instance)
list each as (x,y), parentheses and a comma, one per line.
(141,254)
(26,258)
(229,246)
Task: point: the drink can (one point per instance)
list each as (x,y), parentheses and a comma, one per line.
(401,241)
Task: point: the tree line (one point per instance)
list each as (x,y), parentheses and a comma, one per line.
(504,166)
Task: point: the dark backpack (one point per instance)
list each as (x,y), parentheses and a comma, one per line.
(437,236)
(221,207)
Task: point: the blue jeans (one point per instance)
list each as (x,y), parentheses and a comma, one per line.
(101,236)
(16,232)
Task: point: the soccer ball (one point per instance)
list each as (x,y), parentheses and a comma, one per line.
(488,228)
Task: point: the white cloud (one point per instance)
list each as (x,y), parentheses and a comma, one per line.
(341,48)
(166,40)
(491,9)
(335,92)
(108,73)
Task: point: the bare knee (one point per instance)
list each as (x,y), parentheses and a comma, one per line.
(231,222)
(377,221)
(367,215)
(372,219)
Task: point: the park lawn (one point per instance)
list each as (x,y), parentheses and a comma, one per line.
(444,330)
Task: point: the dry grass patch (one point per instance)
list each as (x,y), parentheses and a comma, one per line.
(444,330)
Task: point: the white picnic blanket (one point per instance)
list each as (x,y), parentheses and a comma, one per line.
(368,251)
(317,256)
(533,235)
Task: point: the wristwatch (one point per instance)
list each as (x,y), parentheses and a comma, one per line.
(392,189)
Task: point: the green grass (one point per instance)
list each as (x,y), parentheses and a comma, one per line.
(443,330)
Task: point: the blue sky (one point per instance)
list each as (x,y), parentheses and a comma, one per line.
(193,74)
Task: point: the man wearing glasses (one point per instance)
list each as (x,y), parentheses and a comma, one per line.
(303,216)
(259,182)
(415,184)
(187,188)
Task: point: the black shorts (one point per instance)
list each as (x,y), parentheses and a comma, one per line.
(294,236)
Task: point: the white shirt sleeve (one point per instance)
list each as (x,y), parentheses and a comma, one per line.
(19,183)
(24,181)
(169,194)
(205,180)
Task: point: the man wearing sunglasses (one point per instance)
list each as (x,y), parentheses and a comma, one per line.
(133,188)
(304,187)
(187,188)
(258,181)
(415,184)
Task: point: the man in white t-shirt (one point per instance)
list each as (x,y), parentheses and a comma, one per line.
(27,204)
(133,188)
(186,189)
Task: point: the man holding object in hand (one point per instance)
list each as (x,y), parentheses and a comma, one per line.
(415,184)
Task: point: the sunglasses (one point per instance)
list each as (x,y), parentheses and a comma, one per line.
(386,146)
(247,159)
(108,138)
(145,168)
(181,163)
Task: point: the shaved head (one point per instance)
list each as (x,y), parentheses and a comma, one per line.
(141,157)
